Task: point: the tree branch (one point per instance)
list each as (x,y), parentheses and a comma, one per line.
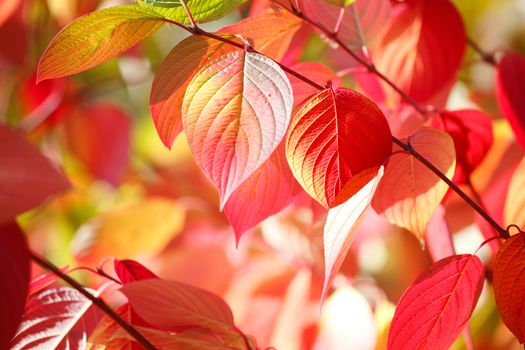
(101,304)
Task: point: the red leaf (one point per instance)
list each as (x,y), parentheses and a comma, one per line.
(14,280)
(172,306)
(44,281)
(7,7)
(59,318)
(510,90)
(438,236)
(130,271)
(315,71)
(265,193)
(435,309)
(471,131)
(99,136)
(336,143)
(509,284)
(422,48)
(27,178)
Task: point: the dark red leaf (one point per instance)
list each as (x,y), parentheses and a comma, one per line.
(130,271)
(510,90)
(509,284)
(436,308)
(14,280)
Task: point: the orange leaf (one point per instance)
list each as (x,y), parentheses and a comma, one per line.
(509,284)
(337,141)
(514,210)
(270,33)
(409,193)
(235,113)
(95,38)
(173,76)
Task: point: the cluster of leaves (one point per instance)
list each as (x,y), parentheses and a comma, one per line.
(271,132)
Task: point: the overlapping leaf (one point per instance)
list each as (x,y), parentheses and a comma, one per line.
(174,75)
(315,71)
(56,319)
(337,141)
(270,33)
(236,111)
(471,131)
(340,228)
(435,309)
(438,237)
(95,38)
(362,22)
(422,48)
(130,271)
(510,90)
(269,190)
(409,192)
(143,228)
(27,178)
(509,284)
(201,10)
(14,279)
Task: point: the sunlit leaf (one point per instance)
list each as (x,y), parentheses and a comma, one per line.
(269,190)
(409,192)
(438,237)
(201,10)
(143,228)
(270,33)
(14,280)
(435,309)
(422,48)
(235,113)
(173,76)
(337,141)
(509,284)
(95,38)
(514,209)
(315,71)
(340,228)
(59,318)
(510,90)
(27,178)
(172,306)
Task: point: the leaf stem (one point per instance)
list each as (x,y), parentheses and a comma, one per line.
(486,56)
(101,304)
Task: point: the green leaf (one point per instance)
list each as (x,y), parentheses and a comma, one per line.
(95,38)
(201,10)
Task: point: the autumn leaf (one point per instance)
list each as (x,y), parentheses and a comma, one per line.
(337,141)
(315,71)
(422,48)
(130,271)
(27,178)
(509,284)
(235,113)
(409,192)
(340,228)
(269,190)
(143,228)
(270,33)
(95,38)
(14,277)
(60,318)
(513,211)
(510,91)
(436,307)
(201,10)
(173,77)
(342,3)
(438,236)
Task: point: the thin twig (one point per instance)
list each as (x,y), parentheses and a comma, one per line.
(101,304)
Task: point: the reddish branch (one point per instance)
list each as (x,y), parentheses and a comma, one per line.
(101,304)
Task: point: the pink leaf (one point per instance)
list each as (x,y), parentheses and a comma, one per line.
(59,318)
(172,306)
(438,236)
(269,190)
(235,113)
(315,71)
(341,226)
(435,309)
(130,271)
(510,90)
(27,178)
(14,280)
